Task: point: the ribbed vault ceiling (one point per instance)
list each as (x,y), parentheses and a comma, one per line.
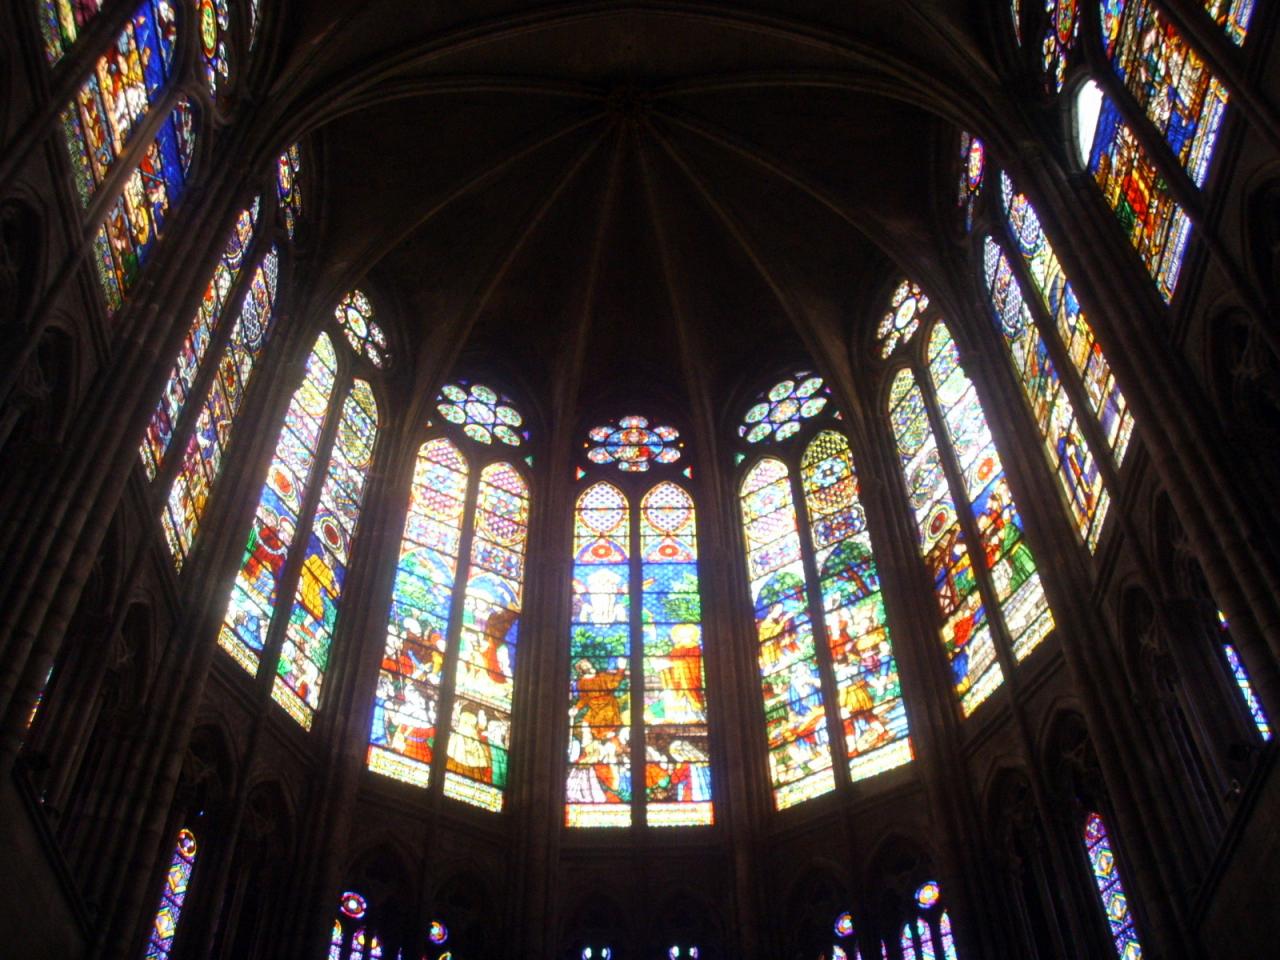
(614,202)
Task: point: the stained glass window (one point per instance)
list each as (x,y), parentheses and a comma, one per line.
(1233,16)
(1106,874)
(966,632)
(779,413)
(288,190)
(354,314)
(136,220)
(902,320)
(973,167)
(172,896)
(484,414)
(637,613)
(402,739)
(351,939)
(1059,299)
(1157,227)
(215,29)
(207,444)
(195,346)
(325,530)
(598,785)
(309,633)
(468,529)
(61,22)
(633,444)
(1168,79)
(1241,677)
(1067,448)
(872,712)
(1015,8)
(676,746)
(481,720)
(932,926)
(126,81)
(1060,37)
(800,764)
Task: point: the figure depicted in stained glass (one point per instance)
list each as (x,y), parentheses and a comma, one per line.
(288,189)
(633,444)
(973,163)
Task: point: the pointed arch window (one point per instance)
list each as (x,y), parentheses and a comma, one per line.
(1243,684)
(985,577)
(300,539)
(351,938)
(1067,442)
(453,627)
(172,896)
(636,622)
(205,391)
(1111,893)
(1233,16)
(812,572)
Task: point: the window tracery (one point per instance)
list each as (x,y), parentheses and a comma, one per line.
(457,599)
(810,560)
(636,616)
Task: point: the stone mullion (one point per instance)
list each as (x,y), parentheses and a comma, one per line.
(1185,446)
(152,773)
(1091,668)
(344,722)
(1068,583)
(63,80)
(930,698)
(67,519)
(1227,62)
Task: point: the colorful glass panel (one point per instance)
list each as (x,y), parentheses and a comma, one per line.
(800,764)
(1060,36)
(966,632)
(215,30)
(61,22)
(872,711)
(973,168)
(191,357)
(480,729)
(902,320)
(908,943)
(176,881)
(1015,10)
(135,221)
(1106,874)
(354,314)
(316,600)
(1168,79)
(1059,298)
(255,592)
(1233,16)
(598,785)
(288,190)
(403,735)
(207,445)
(844,925)
(1014,577)
(483,414)
(677,753)
(928,894)
(634,445)
(353,905)
(1156,225)
(1241,677)
(1065,445)
(335,942)
(779,413)
(124,83)
(948,939)
(925,934)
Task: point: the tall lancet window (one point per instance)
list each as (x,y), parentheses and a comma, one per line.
(455,609)
(1079,409)
(638,743)
(985,578)
(300,540)
(1111,894)
(205,391)
(828,672)
(172,897)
